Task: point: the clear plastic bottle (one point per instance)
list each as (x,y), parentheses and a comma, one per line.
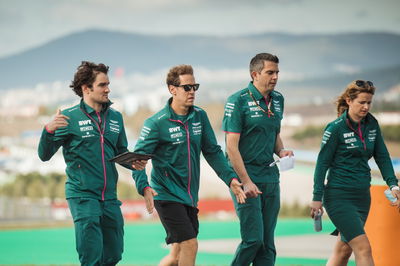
(317,221)
(389,196)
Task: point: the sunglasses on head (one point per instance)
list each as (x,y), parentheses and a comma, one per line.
(361,83)
(189,87)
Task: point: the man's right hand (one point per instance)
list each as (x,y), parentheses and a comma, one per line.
(149,194)
(236,188)
(251,190)
(58,121)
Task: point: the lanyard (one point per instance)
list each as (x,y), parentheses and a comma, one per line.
(100,125)
(358,132)
(269,112)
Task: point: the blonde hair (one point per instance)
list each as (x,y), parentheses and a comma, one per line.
(351,92)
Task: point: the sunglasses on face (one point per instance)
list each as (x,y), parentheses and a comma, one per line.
(361,83)
(189,87)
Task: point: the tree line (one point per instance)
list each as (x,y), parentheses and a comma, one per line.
(36,186)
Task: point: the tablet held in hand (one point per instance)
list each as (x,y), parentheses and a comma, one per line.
(129,157)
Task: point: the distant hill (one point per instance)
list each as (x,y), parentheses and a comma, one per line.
(327,88)
(319,58)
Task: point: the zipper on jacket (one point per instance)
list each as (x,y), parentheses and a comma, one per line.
(189,160)
(101,132)
(102,155)
(358,132)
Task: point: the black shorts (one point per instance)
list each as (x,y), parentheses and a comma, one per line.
(180,221)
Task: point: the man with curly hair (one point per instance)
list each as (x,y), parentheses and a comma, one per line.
(91,133)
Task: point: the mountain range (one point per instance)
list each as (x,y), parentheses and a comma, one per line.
(314,61)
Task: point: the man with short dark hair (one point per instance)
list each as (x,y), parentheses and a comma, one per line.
(177,135)
(252,123)
(91,133)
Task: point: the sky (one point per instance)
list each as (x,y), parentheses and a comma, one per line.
(25,24)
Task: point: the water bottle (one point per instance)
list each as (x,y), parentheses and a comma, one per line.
(317,221)
(389,196)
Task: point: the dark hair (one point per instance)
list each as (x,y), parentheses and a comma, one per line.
(176,71)
(257,62)
(86,75)
(351,92)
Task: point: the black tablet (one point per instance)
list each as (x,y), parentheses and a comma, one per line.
(129,157)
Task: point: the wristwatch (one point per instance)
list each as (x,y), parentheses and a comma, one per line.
(394,188)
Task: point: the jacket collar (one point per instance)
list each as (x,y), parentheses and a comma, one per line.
(256,93)
(345,117)
(171,114)
(90,110)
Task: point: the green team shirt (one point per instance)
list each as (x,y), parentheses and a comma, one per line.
(345,150)
(177,143)
(89,141)
(258,130)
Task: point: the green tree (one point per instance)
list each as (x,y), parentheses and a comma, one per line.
(35,186)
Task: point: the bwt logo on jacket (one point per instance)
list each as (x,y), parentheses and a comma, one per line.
(253,103)
(174,129)
(348,135)
(84,122)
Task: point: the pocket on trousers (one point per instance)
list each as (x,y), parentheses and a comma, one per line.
(84,207)
(112,216)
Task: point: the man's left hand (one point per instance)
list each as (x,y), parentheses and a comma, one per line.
(284,153)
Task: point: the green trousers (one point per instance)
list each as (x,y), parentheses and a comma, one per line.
(258,217)
(99,230)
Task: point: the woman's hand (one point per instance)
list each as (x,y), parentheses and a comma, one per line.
(316,206)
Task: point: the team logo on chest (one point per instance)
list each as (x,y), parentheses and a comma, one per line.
(84,122)
(176,134)
(277,106)
(196,127)
(85,125)
(349,138)
(254,109)
(372,135)
(114,126)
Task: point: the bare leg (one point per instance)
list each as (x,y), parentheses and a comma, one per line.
(341,254)
(188,251)
(172,258)
(362,250)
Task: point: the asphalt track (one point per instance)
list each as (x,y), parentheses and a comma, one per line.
(297,244)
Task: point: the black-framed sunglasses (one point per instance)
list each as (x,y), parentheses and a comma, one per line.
(361,83)
(189,87)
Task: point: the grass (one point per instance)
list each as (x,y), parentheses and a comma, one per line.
(144,243)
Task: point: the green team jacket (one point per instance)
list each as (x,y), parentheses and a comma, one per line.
(345,150)
(176,146)
(89,141)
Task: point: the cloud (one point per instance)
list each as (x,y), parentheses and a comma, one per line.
(25,24)
(347,69)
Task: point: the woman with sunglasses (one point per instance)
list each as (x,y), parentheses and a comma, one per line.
(177,135)
(347,144)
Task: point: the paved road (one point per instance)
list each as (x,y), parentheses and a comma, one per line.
(315,246)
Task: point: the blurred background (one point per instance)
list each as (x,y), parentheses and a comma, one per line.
(322,46)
